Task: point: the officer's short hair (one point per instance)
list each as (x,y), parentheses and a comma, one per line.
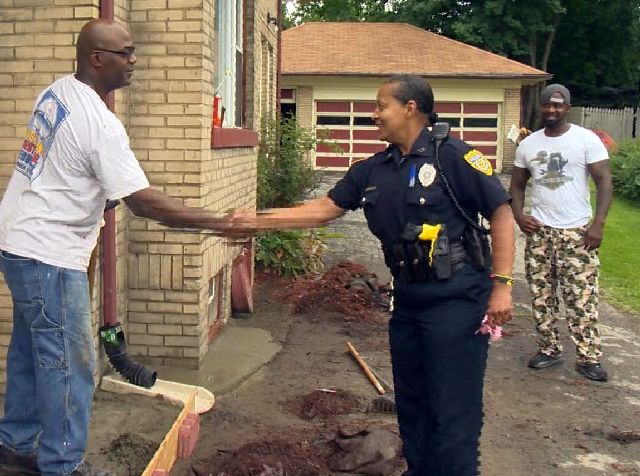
(413,87)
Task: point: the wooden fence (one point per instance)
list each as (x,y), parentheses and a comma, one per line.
(618,123)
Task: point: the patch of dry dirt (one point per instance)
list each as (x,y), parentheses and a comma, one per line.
(126,431)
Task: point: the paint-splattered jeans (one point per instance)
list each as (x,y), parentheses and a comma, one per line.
(556,258)
(50,364)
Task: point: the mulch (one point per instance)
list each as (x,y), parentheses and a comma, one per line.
(325,405)
(347,288)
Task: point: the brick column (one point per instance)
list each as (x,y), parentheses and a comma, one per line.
(511,116)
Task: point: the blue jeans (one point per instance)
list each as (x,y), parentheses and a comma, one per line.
(50,364)
(438,365)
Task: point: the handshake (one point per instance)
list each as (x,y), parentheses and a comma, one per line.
(246,222)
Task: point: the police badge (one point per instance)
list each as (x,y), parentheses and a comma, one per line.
(427,175)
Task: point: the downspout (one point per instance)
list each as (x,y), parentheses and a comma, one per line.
(111,333)
(278,57)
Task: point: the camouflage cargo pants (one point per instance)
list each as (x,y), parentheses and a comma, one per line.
(556,262)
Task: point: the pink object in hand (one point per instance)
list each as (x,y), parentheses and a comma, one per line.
(495,333)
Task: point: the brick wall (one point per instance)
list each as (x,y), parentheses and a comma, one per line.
(36,47)
(163,275)
(304,106)
(511,116)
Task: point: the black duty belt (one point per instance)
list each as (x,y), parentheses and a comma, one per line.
(411,261)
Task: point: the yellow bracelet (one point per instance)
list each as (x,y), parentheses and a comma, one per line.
(501,278)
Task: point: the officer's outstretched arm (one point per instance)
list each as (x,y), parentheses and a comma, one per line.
(314,213)
(311,214)
(500,308)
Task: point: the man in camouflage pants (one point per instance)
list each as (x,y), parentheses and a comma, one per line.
(561,254)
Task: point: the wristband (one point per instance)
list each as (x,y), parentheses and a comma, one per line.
(501,278)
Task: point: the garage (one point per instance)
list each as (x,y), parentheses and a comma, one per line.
(332,88)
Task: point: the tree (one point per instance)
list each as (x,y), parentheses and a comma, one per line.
(592,46)
(597,55)
(338,10)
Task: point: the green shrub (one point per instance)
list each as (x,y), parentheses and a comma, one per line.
(285,177)
(290,253)
(285,173)
(625,167)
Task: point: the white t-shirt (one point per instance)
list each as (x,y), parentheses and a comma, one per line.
(560,177)
(75,156)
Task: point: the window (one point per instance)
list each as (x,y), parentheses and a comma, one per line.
(229,64)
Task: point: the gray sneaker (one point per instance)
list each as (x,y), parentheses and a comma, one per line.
(542,361)
(593,372)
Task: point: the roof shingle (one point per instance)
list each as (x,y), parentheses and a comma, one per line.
(382,49)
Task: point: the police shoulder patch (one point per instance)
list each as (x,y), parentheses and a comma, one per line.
(478,161)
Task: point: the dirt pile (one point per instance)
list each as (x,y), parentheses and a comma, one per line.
(347,288)
(132,451)
(286,454)
(325,405)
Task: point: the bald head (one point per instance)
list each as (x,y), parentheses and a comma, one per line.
(99,34)
(106,57)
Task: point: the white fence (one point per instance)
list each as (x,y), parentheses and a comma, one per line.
(618,123)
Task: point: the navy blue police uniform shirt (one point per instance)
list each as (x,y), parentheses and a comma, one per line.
(395,190)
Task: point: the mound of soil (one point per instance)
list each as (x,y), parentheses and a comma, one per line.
(131,451)
(326,405)
(347,288)
(278,456)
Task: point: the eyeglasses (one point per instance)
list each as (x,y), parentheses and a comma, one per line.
(128,53)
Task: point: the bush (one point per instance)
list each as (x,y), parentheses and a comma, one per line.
(290,253)
(625,167)
(285,173)
(285,177)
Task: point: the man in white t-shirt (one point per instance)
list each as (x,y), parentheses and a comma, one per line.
(74,157)
(561,253)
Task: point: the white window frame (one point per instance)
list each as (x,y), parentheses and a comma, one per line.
(229,59)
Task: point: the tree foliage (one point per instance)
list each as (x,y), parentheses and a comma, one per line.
(338,10)
(592,46)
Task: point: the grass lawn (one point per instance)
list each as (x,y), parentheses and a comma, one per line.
(620,255)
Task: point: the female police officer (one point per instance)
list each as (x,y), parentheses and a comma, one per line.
(415,203)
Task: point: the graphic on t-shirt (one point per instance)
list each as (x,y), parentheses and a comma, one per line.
(551,177)
(49,114)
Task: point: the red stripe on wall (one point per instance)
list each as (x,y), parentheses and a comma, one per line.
(480,135)
(447,107)
(371,134)
(332,134)
(480,108)
(368,148)
(455,134)
(364,106)
(332,161)
(286,93)
(486,149)
(330,106)
(332,147)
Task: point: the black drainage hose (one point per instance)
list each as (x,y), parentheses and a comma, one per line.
(116,348)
